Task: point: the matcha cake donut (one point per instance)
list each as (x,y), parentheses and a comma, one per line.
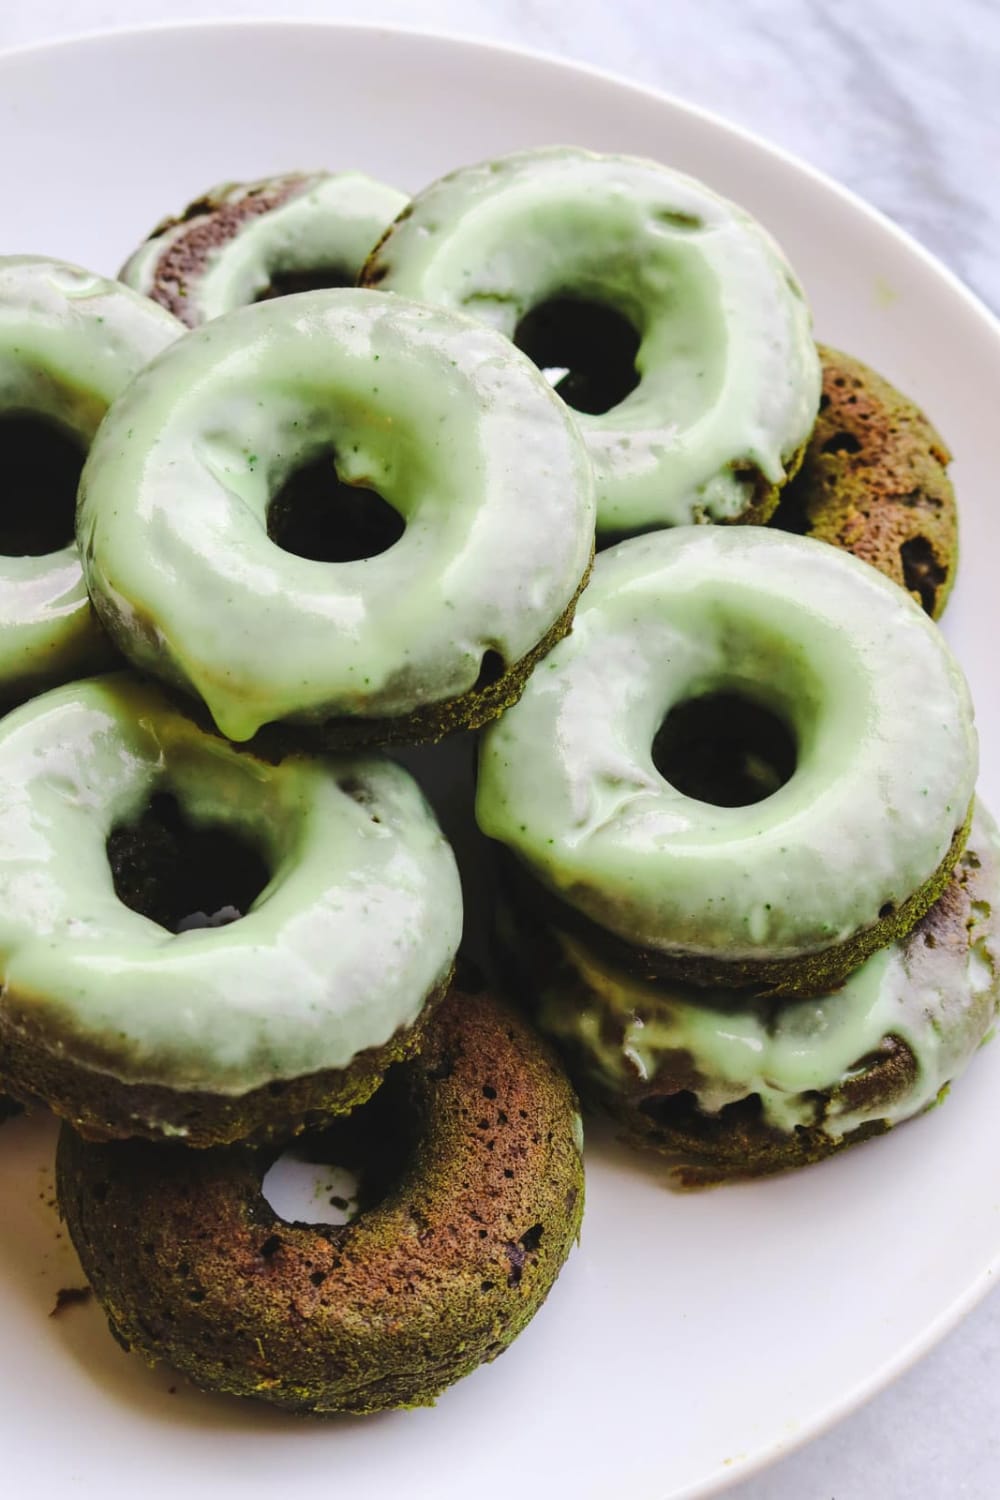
(732,1085)
(69,344)
(666,316)
(875,482)
(196,943)
(471,1196)
(751,763)
(230,531)
(246,241)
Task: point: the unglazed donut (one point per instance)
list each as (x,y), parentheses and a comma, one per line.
(439,1274)
(244,241)
(874,481)
(791,890)
(69,344)
(456,429)
(733,1085)
(726,376)
(127,1026)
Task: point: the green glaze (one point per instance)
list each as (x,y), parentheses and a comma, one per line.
(729,376)
(69,343)
(452,426)
(360,920)
(319,221)
(880,711)
(938,999)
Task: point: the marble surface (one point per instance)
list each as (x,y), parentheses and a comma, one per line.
(898,102)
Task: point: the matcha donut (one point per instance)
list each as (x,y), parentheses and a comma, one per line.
(133,1001)
(825,687)
(471,1197)
(730,1084)
(245,241)
(667,315)
(69,344)
(188,502)
(875,482)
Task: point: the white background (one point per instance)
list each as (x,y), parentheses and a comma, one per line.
(900,102)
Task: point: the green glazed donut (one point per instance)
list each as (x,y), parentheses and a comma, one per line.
(246,241)
(456,430)
(712,328)
(729,1084)
(69,344)
(130,1016)
(455,1249)
(846,822)
(874,481)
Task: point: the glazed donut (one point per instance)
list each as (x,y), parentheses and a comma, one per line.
(69,344)
(476,457)
(246,241)
(874,481)
(133,1003)
(733,1085)
(459,1248)
(845,714)
(691,364)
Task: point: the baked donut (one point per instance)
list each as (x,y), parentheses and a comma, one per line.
(200,483)
(733,1085)
(874,481)
(133,1001)
(246,241)
(69,344)
(667,317)
(751,763)
(471,1198)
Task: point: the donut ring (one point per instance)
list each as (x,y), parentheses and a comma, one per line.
(458,431)
(244,241)
(793,890)
(126,1027)
(874,481)
(436,1278)
(69,344)
(730,1085)
(728,377)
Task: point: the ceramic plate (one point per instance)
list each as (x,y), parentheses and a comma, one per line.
(690,1339)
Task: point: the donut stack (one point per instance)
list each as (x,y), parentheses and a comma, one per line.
(732,768)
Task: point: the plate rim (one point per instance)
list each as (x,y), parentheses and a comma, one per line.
(31,53)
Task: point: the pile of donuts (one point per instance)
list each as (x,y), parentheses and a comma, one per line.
(323,476)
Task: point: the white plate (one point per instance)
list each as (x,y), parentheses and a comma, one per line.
(690,1339)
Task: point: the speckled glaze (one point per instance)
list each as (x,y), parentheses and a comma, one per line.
(880,711)
(730,378)
(798,1056)
(227,246)
(360,920)
(70,342)
(452,426)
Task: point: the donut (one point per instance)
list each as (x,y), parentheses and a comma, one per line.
(752,762)
(191,500)
(874,481)
(666,316)
(730,1084)
(69,343)
(246,241)
(198,944)
(471,1198)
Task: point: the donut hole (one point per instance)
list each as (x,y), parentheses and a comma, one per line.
(725,749)
(335,1175)
(182,875)
(41,462)
(316,515)
(316,279)
(585,350)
